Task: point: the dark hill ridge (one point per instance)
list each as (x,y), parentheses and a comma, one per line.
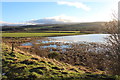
(90,26)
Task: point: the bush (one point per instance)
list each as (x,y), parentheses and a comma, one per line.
(53,55)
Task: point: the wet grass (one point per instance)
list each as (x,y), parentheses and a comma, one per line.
(21,66)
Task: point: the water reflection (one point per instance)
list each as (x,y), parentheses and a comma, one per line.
(55,46)
(27,44)
(80,38)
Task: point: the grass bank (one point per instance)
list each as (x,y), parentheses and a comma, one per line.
(21,66)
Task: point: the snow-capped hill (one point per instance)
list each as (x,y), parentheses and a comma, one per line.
(49,21)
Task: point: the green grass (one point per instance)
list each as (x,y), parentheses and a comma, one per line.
(35,34)
(63,31)
(17,66)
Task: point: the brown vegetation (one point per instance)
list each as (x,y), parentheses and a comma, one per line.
(113,28)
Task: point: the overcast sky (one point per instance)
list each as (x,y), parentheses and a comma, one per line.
(76,11)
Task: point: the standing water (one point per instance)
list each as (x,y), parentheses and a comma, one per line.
(82,38)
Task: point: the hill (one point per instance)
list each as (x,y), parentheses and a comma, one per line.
(91,27)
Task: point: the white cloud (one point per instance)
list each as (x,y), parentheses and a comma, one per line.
(75,4)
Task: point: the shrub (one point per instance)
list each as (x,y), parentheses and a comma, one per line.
(53,55)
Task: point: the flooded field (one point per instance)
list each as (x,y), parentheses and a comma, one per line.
(75,50)
(68,42)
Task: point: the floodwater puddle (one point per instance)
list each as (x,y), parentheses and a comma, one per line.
(27,44)
(55,46)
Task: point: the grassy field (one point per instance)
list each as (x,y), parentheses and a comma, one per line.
(21,66)
(36,34)
(62,31)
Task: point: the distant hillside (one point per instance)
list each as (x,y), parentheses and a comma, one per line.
(91,26)
(38,22)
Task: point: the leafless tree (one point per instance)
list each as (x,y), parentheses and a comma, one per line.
(113,28)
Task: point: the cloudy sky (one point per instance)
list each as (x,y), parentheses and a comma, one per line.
(75,11)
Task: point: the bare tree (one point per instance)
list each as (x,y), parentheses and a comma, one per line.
(113,28)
